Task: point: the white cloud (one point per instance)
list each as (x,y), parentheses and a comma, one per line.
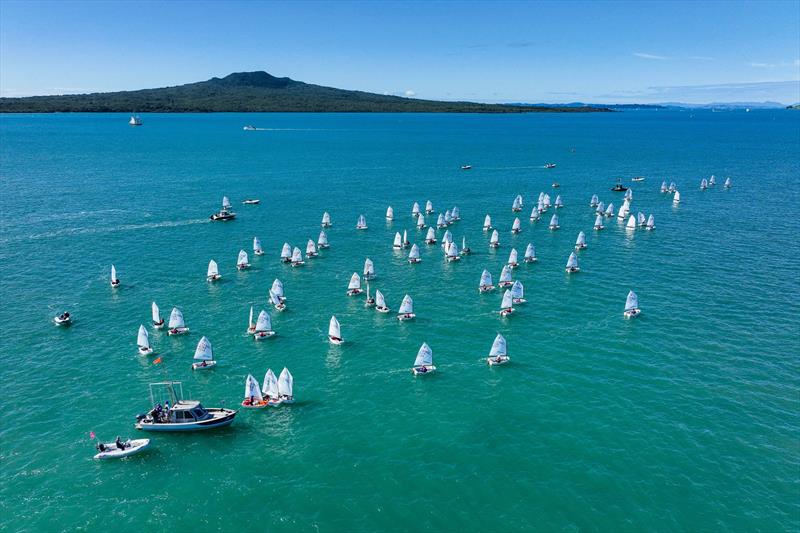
(649,56)
(761,65)
(702,58)
(409,93)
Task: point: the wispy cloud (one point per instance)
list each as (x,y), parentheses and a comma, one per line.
(761,65)
(701,58)
(649,56)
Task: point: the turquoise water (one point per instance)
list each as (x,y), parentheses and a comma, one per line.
(686,419)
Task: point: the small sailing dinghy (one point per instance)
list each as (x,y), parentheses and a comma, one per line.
(326,220)
(398,241)
(64,319)
(322,240)
(663,187)
(335,332)
(535,214)
(362,223)
(135,120)
(212,274)
(297,257)
(158,322)
(204,355)
(428,207)
(406,242)
(629,195)
(651,223)
(257,249)
(251,326)
(277,288)
(518,293)
(505,277)
(580,243)
(712,181)
(285,386)
(448,217)
(572,264)
(494,240)
(598,223)
(115,282)
(415,210)
(498,355)
(441,222)
(601,208)
(253,399)
(269,389)
(143,341)
(703,184)
(487,223)
(554,222)
(609,212)
(354,287)
(176,324)
(413,255)
(559,203)
(728,183)
(593,202)
(530,254)
(516,226)
(276,301)
(370,301)
(456,214)
(263,328)
(624,210)
(225,212)
(465,250)
(485,284)
(430,238)
(421,221)
(242,262)
(672,187)
(380,302)
(119,449)
(632,306)
(677,198)
(406,311)
(311,249)
(369,269)
(286,253)
(517,205)
(389,213)
(423,364)
(546,200)
(452,255)
(507,305)
(447,238)
(512,259)
(182,415)
(641,220)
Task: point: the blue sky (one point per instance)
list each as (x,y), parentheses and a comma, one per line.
(483,51)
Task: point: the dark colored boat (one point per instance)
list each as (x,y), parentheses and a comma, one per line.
(619,187)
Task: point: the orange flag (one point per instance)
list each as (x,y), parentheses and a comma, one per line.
(156,361)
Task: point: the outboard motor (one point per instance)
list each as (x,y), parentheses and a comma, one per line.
(140,417)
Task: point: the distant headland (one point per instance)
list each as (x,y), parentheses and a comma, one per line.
(258,92)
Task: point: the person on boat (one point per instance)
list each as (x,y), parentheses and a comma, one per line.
(338,339)
(422,369)
(101,447)
(119,443)
(203,364)
(251,400)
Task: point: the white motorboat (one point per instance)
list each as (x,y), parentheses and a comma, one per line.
(204,355)
(251,201)
(335,331)
(406,311)
(423,364)
(225,213)
(498,355)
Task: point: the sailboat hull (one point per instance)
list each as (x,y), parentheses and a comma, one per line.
(207,366)
(334,341)
(500,360)
(261,335)
(633,313)
(145,351)
(417,371)
(178,331)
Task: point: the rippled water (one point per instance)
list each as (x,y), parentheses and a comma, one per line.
(684,419)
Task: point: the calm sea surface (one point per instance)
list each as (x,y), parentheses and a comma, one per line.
(686,419)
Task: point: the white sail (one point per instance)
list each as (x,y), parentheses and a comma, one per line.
(651,222)
(535,213)
(176,319)
(297,255)
(415,209)
(440,221)
(369,268)
(257,245)
(629,194)
(380,301)
(463,243)
(414,253)
(517,290)
(252,388)
(559,203)
(143,339)
(495,238)
(326,219)
(663,186)
(421,221)
(452,250)
(512,257)
(156,313)
(505,274)
(113,273)
(456,213)
(516,225)
(487,222)
(398,240)
(554,221)
(572,262)
(213,269)
(431,236)
(250,324)
(641,219)
(712,180)
(546,200)
(727,183)
(428,207)
(204,351)
(593,201)
(498,346)
(631,223)
(286,251)
(610,210)
(362,222)
(270,386)
(447,237)
(277,288)
(581,241)
(486,279)
(601,208)
(508,300)
(264,322)
(632,302)
(407,306)
(323,238)
(530,251)
(703,183)
(405,237)
(311,248)
(598,222)
(334,329)
(242,260)
(274,298)
(448,217)
(677,198)
(389,213)
(355,281)
(424,356)
(226,204)
(285,383)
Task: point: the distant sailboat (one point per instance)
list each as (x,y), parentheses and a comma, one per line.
(285,387)
(554,222)
(242,262)
(448,217)
(572,264)
(672,187)
(322,240)
(594,201)
(423,364)
(507,305)
(677,198)
(624,210)
(369,269)
(158,322)
(326,220)
(728,183)
(389,213)
(277,289)
(487,223)
(257,249)
(530,254)
(535,214)
(398,241)
(311,249)
(413,255)
(362,223)
(632,306)
(451,254)
(631,225)
(447,238)
(143,341)
(456,214)
(135,120)
(354,287)
(415,210)
(598,223)
(176,325)
(559,203)
(406,311)
(430,238)
(286,253)
(641,220)
(517,205)
(498,355)
(253,399)
(428,207)
(651,223)
(663,187)
(212,274)
(251,326)
(115,282)
(494,241)
(270,388)
(297,257)
(703,184)
(335,332)
(276,301)
(712,180)
(505,277)
(263,329)
(421,221)
(464,249)
(406,242)
(580,242)
(609,211)
(518,293)
(485,284)
(601,208)
(380,302)
(440,222)
(204,355)
(516,226)
(512,259)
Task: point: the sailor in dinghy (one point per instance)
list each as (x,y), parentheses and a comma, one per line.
(441,223)
(398,241)
(257,249)
(406,311)
(297,258)
(64,319)
(518,293)
(593,202)
(212,274)
(631,225)
(572,264)
(512,259)
(204,355)
(242,262)
(609,212)
(269,389)
(505,277)
(498,355)
(517,205)
(554,222)
(728,183)
(494,240)
(285,387)
(423,364)
(487,223)
(507,305)
(176,324)
(516,227)
(389,213)
(456,214)
(311,249)
(535,215)
(601,209)
(143,341)
(430,238)
(286,253)
(580,243)
(530,254)
(485,284)
(421,221)
(380,303)
(413,255)
(370,301)
(559,203)
(251,326)
(406,242)
(354,287)
(362,223)
(676,199)
(335,331)
(451,254)
(326,220)
(428,207)
(641,220)
(651,223)
(115,282)
(415,210)
(632,306)
(712,181)
(322,240)
(277,288)
(369,269)
(598,223)
(465,250)
(263,328)
(276,301)
(158,322)
(252,394)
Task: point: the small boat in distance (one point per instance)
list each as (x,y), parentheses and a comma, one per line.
(430,238)
(204,355)
(676,199)
(276,301)
(398,241)
(415,210)
(176,325)
(253,399)
(558,203)
(517,204)
(594,201)
(354,287)
(516,226)
(285,386)
(530,254)
(651,223)
(257,249)
(115,282)
(413,255)
(297,258)
(135,120)
(369,269)
(242,262)
(380,302)
(712,181)
(212,274)
(632,306)
(507,305)
(598,223)
(158,322)
(326,220)
(370,301)
(466,167)
(580,243)
(335,332)
(512,259)
(311,249)
(423,364)
(498,355)
(619,187)
(428,207)
(572,264)
(487,223)
(286,253)
(225,212)
(728,183)
(406,311)
(250,127)
(251,201)
(322,240)
(465,250)
(64,319)
(269,388)
(494,240)
(362,223)
(485,284)
(703,184)
(389,213)
(518,293)
(638,178)
(263,328)
(550,165)
(505,277)
(554,222)
(143,341)
(251,327)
